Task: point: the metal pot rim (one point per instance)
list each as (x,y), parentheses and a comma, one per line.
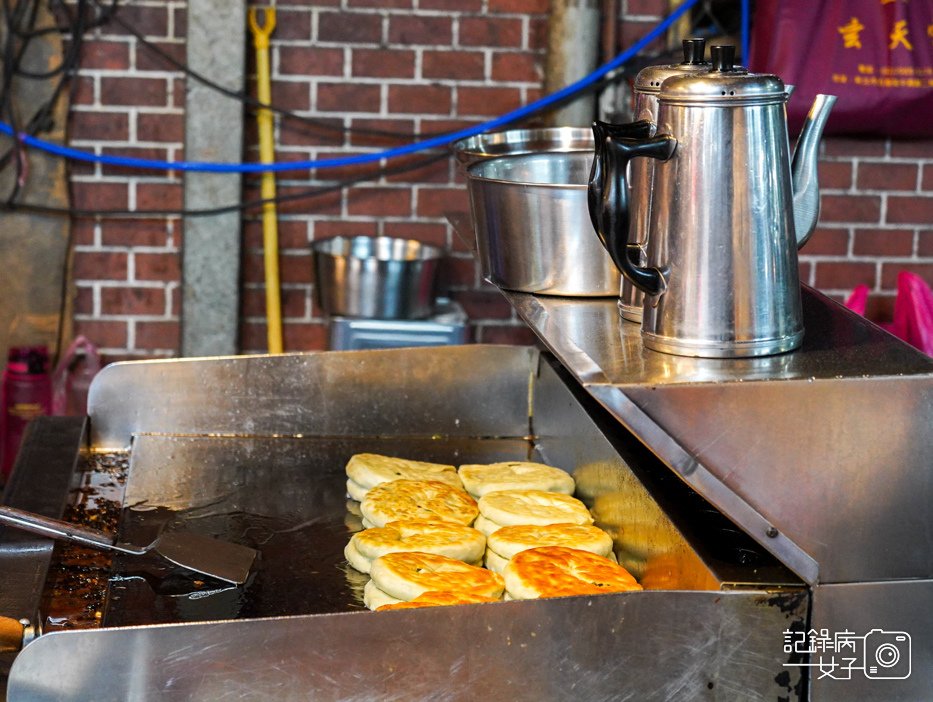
(516,142)
(422,251)
(491,162)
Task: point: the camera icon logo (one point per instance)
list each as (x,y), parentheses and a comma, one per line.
(887,655)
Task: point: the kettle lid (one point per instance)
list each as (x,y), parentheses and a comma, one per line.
(724,83)
(649,79)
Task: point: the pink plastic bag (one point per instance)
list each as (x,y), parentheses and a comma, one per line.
(913,310)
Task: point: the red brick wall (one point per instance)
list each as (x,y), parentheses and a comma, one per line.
(127,272)
(390,65)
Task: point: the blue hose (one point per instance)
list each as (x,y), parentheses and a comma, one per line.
(205,166)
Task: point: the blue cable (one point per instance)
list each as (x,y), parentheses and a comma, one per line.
(204,166)
(745,33)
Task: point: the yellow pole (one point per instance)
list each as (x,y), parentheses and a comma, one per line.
(270,228)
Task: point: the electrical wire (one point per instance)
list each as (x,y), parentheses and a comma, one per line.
(339,162)
(252,102)
(223,209)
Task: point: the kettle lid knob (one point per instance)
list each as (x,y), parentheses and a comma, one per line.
(723,57)
(694,50)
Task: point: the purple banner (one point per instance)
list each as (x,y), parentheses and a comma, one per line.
(876,55)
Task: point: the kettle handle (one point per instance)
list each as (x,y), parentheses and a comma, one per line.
(601,131)
(608,200)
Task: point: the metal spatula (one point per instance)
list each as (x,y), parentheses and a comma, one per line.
(201,554)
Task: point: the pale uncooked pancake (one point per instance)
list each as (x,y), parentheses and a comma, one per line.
(407,575)
(374,598)
(514,475)
(444,539)
(487,526)
(371,469)
(495,562)
(418,499)
(510,540)
(440,599)
(557,571)
(514,507)
(355,558)
(355,490)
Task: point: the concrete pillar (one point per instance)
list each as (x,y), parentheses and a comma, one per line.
(573,50)
(213,132)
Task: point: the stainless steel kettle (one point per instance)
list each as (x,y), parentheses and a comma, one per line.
(727,214)
(647,87)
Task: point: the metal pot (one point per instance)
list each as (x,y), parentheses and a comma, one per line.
(532,225)
(375,277)
(515,142)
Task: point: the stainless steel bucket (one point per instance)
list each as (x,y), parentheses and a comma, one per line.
(375,277)
(533,230)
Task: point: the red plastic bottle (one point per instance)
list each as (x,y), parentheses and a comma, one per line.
(26,394)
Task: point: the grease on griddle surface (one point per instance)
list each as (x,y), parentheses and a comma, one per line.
(78,576)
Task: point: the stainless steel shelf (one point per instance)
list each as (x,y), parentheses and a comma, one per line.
(796,448)
(597,346)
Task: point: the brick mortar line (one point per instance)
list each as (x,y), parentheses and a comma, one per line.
(875,192)
(99,145)
(163,74)
(391,81)
(117,180)
(129,109)
(128,249)
(837,226)
(860,258)
(879,160)
(126,318)
(111,284)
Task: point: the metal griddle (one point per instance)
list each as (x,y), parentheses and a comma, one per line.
(284,496)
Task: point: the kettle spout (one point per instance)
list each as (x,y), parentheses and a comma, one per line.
(804,169)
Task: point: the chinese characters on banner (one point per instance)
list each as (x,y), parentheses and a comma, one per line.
(876,55)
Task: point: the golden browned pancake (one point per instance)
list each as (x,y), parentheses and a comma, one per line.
(487,526)
(510,540)
(371,469)
(418,499)
(557,571)
(355,558)
(495,562)
(407,575)
(439,599)
(374,598)
(514,507)
(442,538)
(514,475)
(355,490)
